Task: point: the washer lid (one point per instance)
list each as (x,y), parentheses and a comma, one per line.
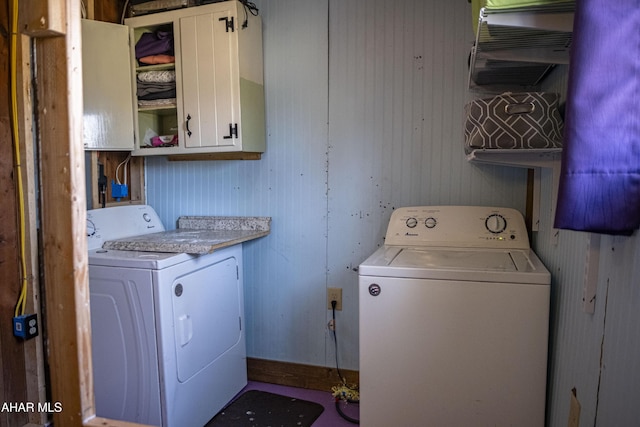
(467,264)
(457,259)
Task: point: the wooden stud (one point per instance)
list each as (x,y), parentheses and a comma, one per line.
(42,18)
(34,348)
(63,221)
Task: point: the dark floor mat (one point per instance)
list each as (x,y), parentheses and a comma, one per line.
(256,408)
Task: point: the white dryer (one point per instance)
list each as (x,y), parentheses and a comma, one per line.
(454,311)
(167,329)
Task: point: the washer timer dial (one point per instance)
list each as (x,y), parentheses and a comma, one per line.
(495,223)
(412,222)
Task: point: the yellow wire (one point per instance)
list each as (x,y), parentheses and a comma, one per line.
(22,300)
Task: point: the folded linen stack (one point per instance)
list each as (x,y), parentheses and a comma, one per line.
(156,88)
(155,47)
(154,85)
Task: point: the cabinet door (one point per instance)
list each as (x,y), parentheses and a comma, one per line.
(210,82)
(106,75)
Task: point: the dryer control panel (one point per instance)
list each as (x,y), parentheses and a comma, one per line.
(457,226)
(120,221)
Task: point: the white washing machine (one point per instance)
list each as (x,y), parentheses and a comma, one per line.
(167,329)
(454,313)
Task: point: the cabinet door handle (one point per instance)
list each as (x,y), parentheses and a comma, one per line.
(188,131)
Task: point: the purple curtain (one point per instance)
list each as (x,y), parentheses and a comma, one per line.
(600,178)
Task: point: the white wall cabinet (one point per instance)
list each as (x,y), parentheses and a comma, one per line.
(218,100)
(219,104)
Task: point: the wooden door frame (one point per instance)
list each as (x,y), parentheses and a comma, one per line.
(58,77)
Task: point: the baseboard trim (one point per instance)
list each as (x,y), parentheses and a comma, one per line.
(298,375)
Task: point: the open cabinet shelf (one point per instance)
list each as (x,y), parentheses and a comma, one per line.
(535,159)
(516,48)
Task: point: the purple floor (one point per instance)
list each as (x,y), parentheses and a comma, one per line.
(328,418)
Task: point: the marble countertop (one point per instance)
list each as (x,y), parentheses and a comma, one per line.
(197,235)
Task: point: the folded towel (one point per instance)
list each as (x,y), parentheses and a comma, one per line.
(157,59)
(157,76)
(148,88)
(171,93)
(154,43)
(154,103)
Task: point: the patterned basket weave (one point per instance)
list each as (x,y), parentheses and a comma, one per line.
(513,121)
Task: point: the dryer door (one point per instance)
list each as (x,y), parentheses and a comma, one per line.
(206,315)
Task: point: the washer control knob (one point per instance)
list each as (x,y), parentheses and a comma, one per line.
(146,217)
(495,223)
(430,222)
(412,222)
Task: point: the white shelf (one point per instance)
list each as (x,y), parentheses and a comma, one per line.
(518,47)
(540,157)
(539,19)
(531,159)
(514,50)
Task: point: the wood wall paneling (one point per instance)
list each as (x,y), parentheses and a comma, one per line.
(22,361)
(12,374)
(34,349)
(107,10)
(299,375)
(110,162)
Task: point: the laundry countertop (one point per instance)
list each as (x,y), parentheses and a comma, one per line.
(197,235)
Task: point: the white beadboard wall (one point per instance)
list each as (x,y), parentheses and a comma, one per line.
(285,272)
(599,353)
(397,86)
(364,106)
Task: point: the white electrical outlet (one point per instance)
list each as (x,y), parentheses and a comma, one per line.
(334,294)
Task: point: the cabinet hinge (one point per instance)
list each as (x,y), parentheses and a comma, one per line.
(233,131)
(229,23)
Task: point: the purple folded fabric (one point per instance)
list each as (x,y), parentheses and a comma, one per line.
(600,179)
(156,43)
